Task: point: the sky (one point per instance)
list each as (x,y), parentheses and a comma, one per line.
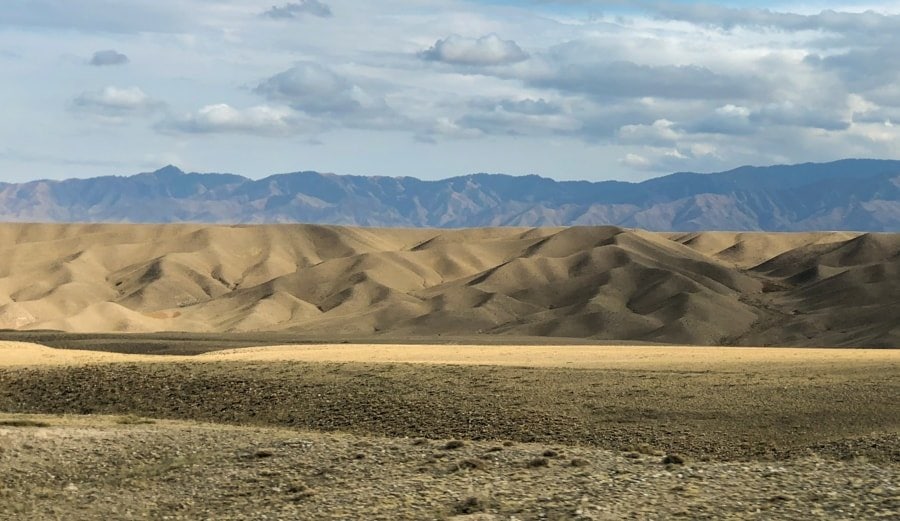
(437,88)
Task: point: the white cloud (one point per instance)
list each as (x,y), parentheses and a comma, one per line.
(320,92)
(312,88)
(258,120)
(113,104)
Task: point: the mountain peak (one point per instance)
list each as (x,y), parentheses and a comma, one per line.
(169,170)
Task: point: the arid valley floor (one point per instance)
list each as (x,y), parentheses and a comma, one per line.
(450,432)
(321,372)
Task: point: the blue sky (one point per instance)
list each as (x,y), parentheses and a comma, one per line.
(436,88)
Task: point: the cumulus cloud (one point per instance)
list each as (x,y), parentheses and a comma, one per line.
(312,88)
(484,51)
(296,9)
(108,57)
(223,118)
(318,91)
(116,102)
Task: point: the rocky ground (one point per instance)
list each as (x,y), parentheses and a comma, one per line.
(109,467)
(771,411)
(643,434)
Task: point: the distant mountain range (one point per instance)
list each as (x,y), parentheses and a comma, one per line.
(852,194)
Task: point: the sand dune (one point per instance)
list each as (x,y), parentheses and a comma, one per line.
(328,282)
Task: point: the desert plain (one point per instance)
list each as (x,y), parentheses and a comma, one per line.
(315,372)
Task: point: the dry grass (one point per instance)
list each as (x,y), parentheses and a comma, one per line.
(610,357)
(131,419)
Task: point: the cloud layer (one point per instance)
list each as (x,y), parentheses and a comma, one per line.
(297,9)
(442,87)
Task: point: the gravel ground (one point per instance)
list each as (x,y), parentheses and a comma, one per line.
(838,411)
(102,467)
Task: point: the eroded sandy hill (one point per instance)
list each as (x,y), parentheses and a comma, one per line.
(594,282)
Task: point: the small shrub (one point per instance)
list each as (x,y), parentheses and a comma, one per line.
(646,449)
(538,462)
(296,488)
(301,495)
(673,459)
(263,453)
(469,505)
(23,423)
(467,464)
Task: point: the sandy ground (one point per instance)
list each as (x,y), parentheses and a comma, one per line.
(21,354)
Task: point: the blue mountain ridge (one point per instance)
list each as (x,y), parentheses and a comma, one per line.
(851,194)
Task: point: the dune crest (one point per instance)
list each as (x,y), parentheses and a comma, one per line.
(605,283)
